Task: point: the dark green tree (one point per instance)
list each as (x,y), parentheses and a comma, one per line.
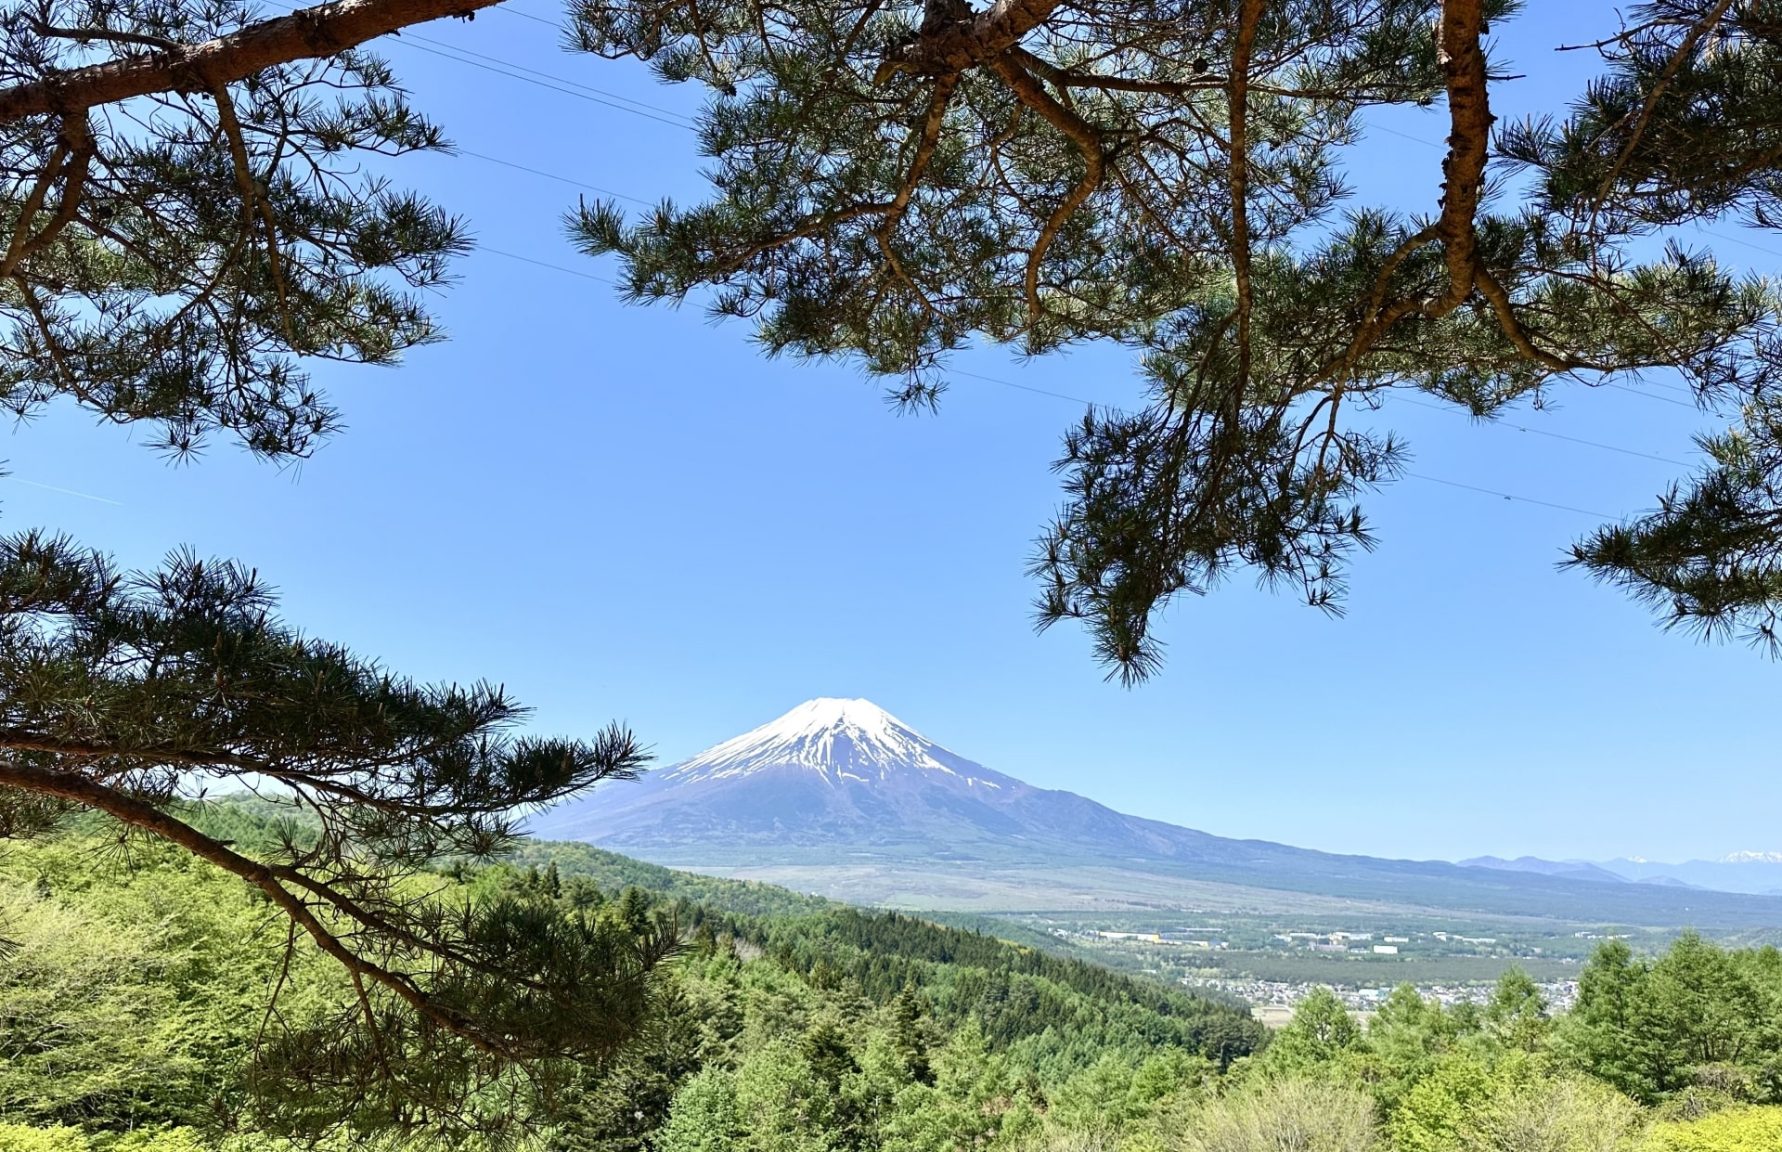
(123,693)
(1614,1032)
(187,218)
(894,181)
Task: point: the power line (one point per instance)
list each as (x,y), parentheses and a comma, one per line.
(542,79)
(1401,399)
(1409,475)
(552,176)
(1631,391)
(512,11)
(557,86)
(566,270)
(1507,496)
(681,118)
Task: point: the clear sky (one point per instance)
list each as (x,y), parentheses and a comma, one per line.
(628,513)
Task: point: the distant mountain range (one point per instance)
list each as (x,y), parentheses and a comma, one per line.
(843,798)
(1755,873)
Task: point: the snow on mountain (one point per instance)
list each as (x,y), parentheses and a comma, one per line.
(829,771)
(1752,858)
(838,740)
(838,784)
(1756,873)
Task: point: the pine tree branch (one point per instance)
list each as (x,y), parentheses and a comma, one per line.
(1462,54)
(1081,133)
(110,35)
(141,814)
(311,33)
(71,160)
(1249,15)
(958,46)
(254,204)
(1650,103)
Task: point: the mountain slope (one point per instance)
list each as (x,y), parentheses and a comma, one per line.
(842,782)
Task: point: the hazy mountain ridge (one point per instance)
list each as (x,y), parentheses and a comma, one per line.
(842,782)
(1572,869)
(1747,872)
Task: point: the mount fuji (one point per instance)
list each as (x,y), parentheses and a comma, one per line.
(848,774)
(840,796)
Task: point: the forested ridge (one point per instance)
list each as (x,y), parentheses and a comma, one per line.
(134,1014)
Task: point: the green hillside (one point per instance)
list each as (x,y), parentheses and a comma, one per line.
(133,992)
(148,1004)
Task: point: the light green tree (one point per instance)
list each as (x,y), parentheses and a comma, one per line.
(1320,1033)
(1285,1116)
(705,1116)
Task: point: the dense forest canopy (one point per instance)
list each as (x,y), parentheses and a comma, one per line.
(131,1018)
(190,222)
(122,692)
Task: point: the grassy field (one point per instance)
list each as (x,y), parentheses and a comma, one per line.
(1377,971)
(1116,891)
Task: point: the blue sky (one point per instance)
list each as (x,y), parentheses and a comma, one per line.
(627,512)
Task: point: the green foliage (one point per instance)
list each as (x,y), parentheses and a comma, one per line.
(134,999)
(123,693)
(1289,1116)
(20,1138)
(891,183)
(1735,1130)
(1696,1016)
(1466,1106)
(135,993)
(1321,1032)
(132,1007)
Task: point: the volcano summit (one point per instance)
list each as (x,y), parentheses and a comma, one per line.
(841,797)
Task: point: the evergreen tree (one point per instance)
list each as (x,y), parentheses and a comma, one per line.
(893,181)
(1516,1015)
(176,268)
(122,693)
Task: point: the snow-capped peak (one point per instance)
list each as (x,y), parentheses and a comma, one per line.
(840,739)
(1752,858)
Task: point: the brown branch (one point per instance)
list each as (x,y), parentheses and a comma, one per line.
(1504,311)
(46,333)
(27,740)
(956,47)
(1650,104)
(33,204)
(87,35)
(311,33)
(1462,55)
(254,204)
(926,143)
(1081,133)
(71,159)
(1249,15)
